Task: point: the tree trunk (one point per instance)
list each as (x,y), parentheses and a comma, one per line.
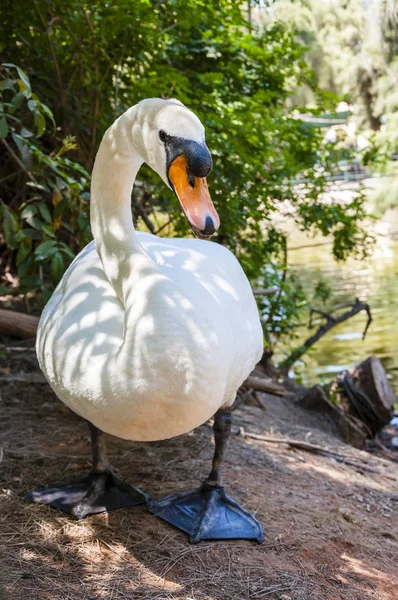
(17,324)
(371,379)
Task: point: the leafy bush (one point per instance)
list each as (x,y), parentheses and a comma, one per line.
(49,222)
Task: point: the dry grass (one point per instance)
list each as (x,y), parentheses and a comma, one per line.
(331,529)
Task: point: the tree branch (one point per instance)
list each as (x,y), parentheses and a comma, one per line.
(330,322)
(169,222)
(141,212)
(17,160)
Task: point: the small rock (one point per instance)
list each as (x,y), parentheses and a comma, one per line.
(347,515)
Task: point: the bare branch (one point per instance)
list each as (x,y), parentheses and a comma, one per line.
(301,445)
(327,316)
(331,321)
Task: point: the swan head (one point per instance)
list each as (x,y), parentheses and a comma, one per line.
(173,140)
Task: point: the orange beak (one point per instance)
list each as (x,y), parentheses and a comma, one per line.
(194,198)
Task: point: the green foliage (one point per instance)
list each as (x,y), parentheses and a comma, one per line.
(17,101)
(89,62)
(282,313)
(49,223)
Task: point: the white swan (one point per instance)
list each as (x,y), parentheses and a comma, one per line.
(147,337)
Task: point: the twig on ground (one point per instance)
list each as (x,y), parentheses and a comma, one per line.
(314,448)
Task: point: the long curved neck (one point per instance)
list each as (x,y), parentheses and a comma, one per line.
(116,166)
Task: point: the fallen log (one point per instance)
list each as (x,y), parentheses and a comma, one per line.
(19,325)
(265,385)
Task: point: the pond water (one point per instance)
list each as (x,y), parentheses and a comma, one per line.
(373,280)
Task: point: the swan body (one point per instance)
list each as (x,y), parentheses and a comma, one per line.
(147,337)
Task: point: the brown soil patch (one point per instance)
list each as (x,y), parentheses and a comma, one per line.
(331,530)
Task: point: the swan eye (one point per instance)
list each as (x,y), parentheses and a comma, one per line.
(162,135)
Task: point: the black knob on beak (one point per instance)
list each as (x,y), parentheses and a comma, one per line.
(199,159)
(197,154)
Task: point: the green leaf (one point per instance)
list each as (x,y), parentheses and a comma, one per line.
(34,234)
(3,127)
(67,251)
(17,100)
(68,227)
(45,249)
(49,230)
(37,186)
(44,108)
(26,268)
(7,84)
(23,250)
(26,133)
(40,123)
(18,140)
(45,213)
(26,89)
(23,149)
(36,223)
(28,213)
(10,225)
(30,283)
(57,267)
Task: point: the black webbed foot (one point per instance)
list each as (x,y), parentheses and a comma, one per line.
(100,491)
(207,513)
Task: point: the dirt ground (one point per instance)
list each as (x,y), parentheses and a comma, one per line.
(331,529)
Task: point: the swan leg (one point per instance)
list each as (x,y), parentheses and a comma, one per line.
(99,491)
(207,513)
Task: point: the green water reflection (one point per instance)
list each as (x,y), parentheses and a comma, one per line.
(374,280)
